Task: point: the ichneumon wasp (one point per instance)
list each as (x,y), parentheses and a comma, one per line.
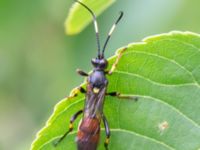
(95,92)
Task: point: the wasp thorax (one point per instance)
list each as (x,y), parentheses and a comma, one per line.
(97,80)
(99,63)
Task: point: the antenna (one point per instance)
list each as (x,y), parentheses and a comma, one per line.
(95,25)
(111,31)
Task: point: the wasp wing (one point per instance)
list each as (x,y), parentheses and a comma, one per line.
(89,130)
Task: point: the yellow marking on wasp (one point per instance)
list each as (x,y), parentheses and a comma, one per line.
(112,29)
(95,90)
(75,92)
(107,140)
(96,26)
(71,126)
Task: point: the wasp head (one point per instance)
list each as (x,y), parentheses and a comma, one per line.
(99,63)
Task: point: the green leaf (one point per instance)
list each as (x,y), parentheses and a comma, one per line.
(164,72)
(79,17)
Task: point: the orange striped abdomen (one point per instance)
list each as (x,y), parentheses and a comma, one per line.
(88,134)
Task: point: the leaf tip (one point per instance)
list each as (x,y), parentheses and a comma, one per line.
(79,18)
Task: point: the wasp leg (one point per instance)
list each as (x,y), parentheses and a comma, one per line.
(118,95)
(73,118)
(107,129)
(116,62)
(76,91)
(82,73)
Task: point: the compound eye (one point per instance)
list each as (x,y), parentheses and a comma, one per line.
(103,63)
(94,61)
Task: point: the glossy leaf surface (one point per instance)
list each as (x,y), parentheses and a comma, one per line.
(79,17)
(164,72)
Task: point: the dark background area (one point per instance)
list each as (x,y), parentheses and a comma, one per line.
(38,61)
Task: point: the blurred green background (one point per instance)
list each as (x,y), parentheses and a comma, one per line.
(38,61)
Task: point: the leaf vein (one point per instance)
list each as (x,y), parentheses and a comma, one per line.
(162,101)
(167,59)
(143,136)
(155,82)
